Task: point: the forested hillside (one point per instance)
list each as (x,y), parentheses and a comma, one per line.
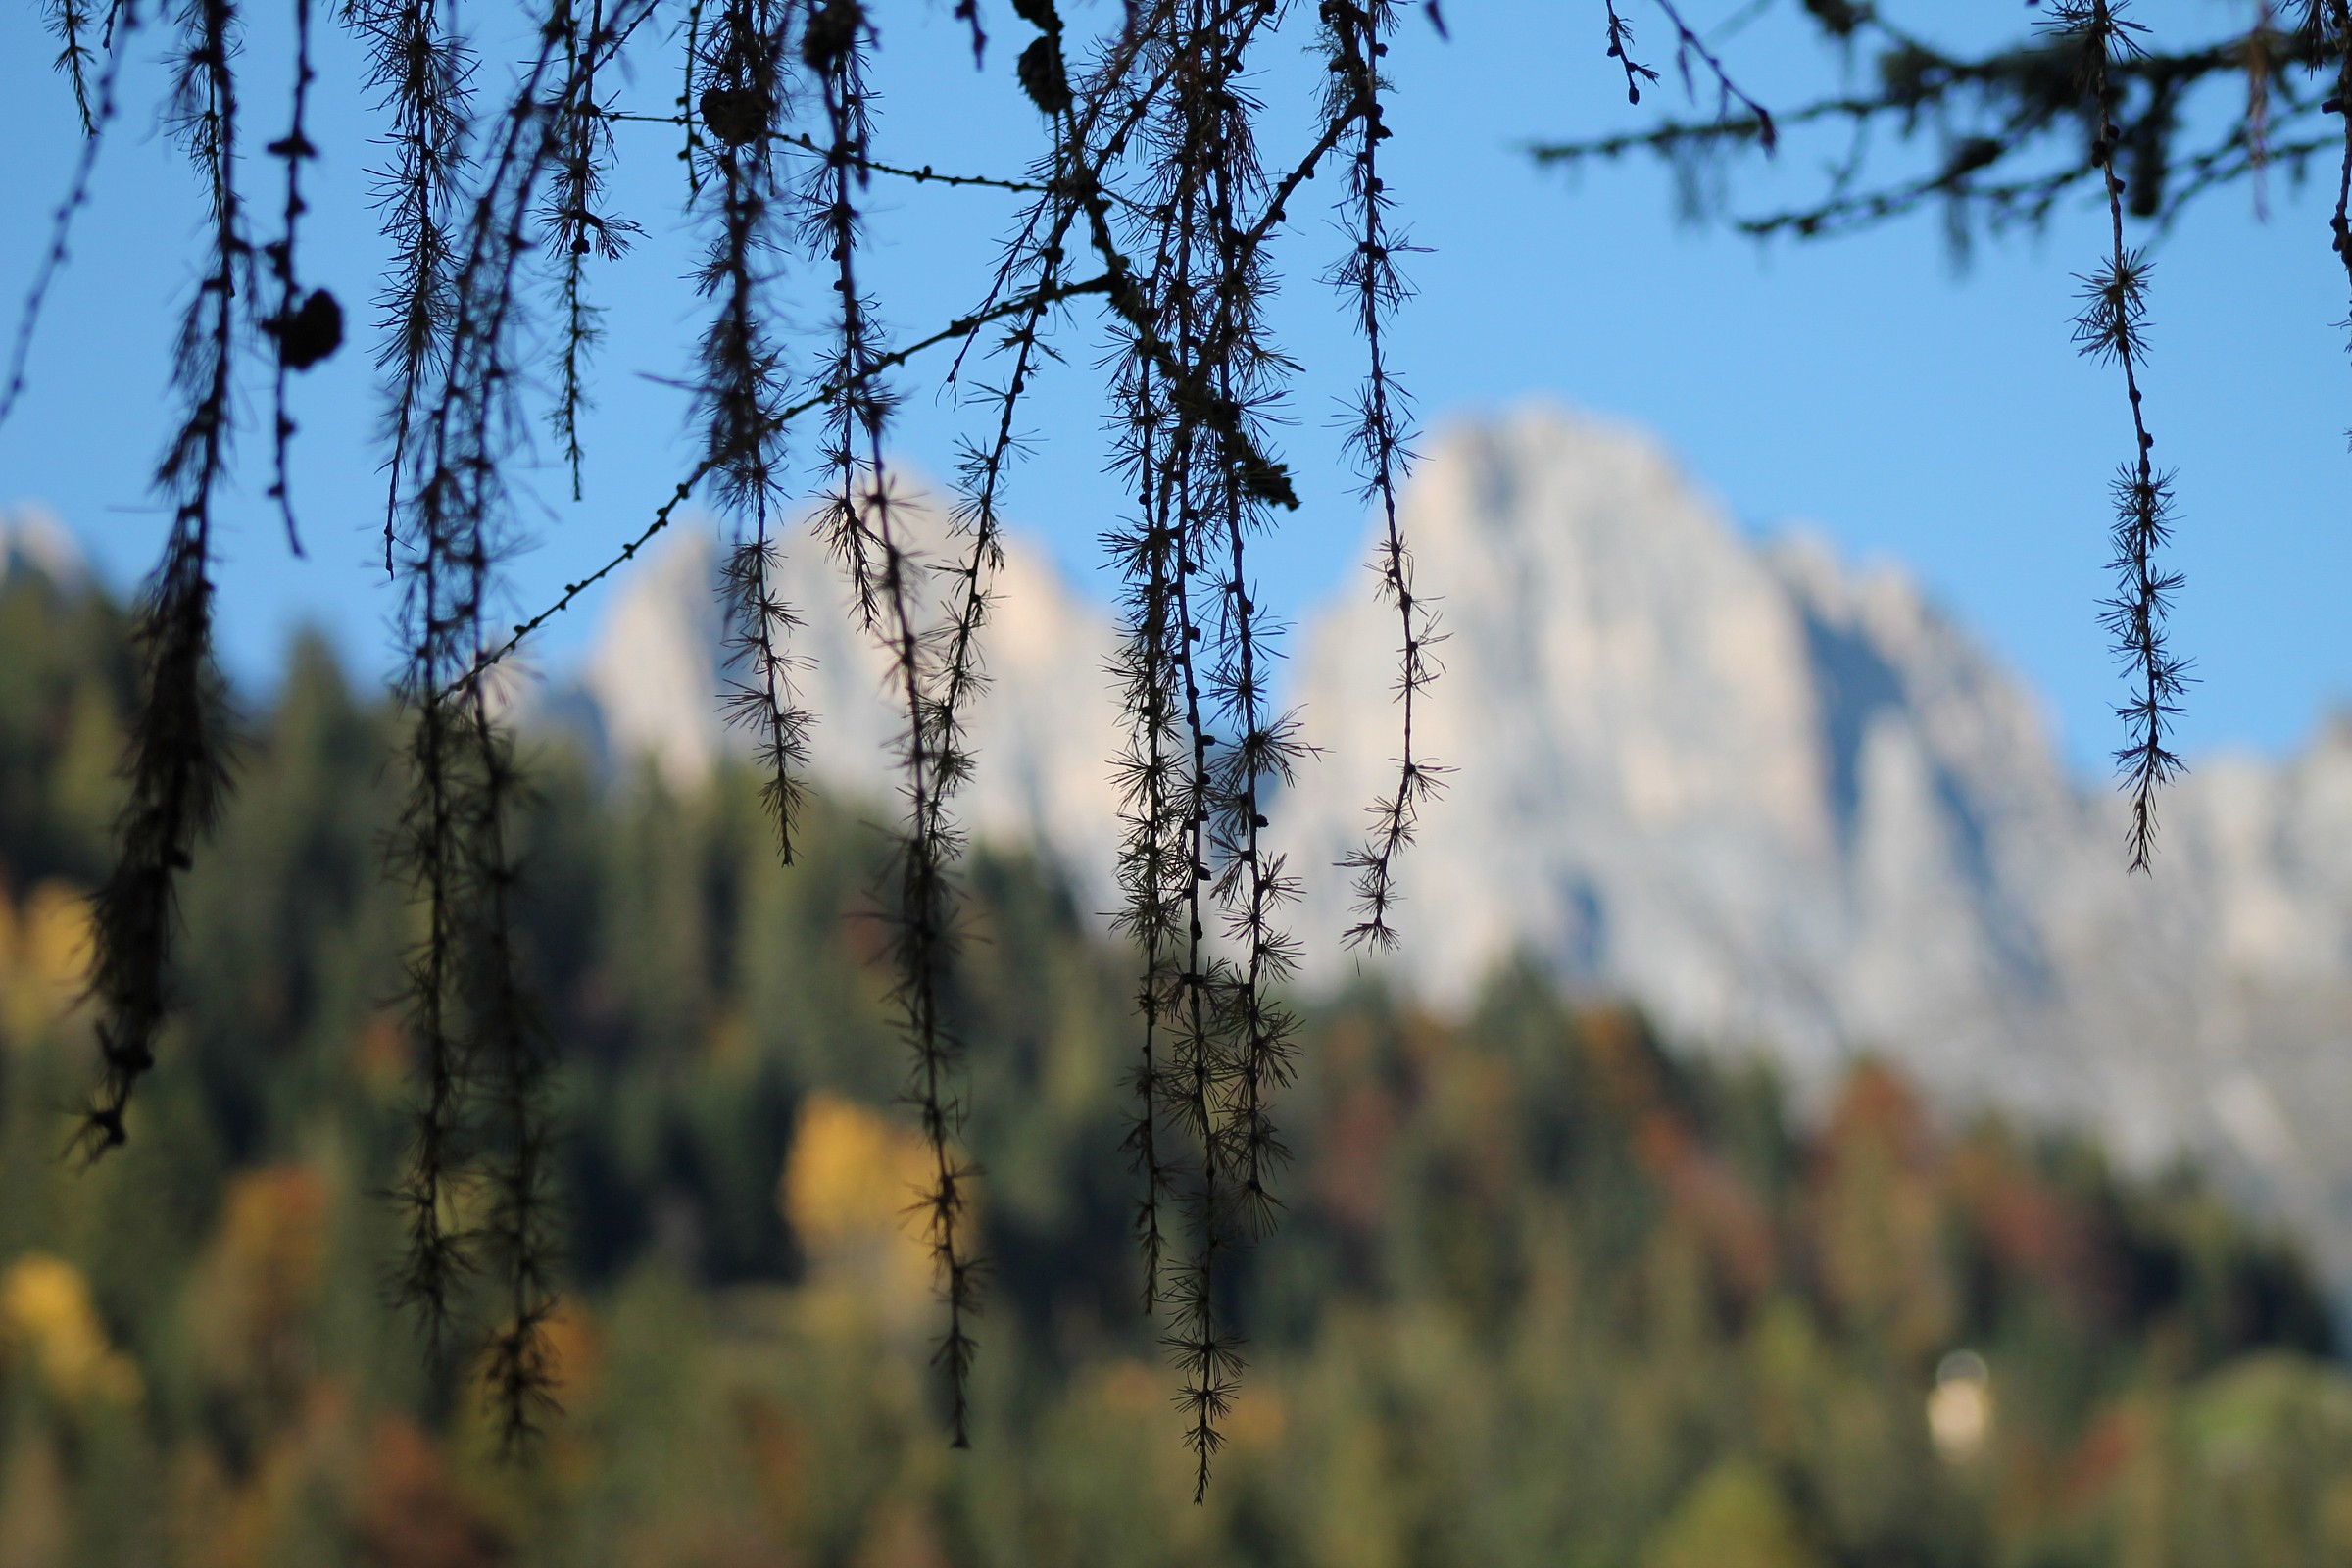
(1547,1292)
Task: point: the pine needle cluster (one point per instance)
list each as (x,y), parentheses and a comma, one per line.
(2088,102)
(495,214)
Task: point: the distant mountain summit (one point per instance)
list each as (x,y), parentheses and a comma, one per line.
(32,540)
(1786,804)
(1782,803)
(1776,799)
(1044,728)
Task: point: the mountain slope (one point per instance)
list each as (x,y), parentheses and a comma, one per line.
(1782,803)
(1787,803)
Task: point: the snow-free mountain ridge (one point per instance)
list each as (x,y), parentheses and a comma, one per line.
(1782,803)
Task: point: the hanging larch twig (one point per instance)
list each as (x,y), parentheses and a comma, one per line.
(1379,438)
(178,768)
(2111,327)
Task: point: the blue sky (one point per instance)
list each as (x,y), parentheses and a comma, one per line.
(1865,386)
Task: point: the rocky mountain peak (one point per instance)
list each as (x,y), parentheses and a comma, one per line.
(32,539)
(1782,802)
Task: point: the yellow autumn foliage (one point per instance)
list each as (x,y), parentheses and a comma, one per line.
(852,1172)
(262,1269)
(48,1319)
(44,957)
(850,1182)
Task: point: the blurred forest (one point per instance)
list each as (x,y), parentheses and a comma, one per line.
(1548,1293)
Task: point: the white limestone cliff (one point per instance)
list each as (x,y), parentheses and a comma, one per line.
(1782,802)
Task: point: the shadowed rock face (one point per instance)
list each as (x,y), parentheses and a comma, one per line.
(1782,803)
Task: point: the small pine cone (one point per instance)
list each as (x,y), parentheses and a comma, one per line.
(310,334)
(736,116)
(832,32)
(1043,78)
